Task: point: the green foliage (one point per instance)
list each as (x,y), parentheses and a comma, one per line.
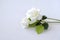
(39,29)
(45,25)
(29,19)
(44,17)
(35,23)
(39,25)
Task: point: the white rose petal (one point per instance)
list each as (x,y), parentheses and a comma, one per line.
(39,17)
(25,22)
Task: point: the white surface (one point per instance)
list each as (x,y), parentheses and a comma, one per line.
(12,11)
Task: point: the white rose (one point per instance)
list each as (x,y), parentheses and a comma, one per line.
(33,14)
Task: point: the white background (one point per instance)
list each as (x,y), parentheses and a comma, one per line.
(12,11)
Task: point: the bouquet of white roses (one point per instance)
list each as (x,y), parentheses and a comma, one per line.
(34,19)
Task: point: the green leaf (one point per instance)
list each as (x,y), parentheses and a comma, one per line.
(29,19)
(32,25)
(44,17)
(45,25)
(39,29)
(35,23)
(38,22)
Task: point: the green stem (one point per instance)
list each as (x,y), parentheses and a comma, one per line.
(53,22)
(53,19)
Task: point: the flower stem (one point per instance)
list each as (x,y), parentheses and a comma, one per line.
(53,19)
(53,22)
